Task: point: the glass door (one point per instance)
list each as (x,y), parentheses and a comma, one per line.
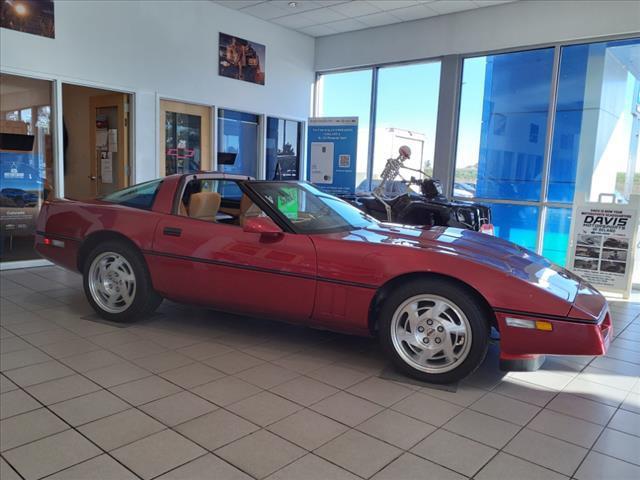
(185,137)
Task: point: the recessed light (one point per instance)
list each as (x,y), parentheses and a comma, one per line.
(293,4)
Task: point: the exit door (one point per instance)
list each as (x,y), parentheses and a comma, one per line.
(109,124)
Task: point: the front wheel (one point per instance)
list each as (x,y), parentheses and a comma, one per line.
(434,330)
(117,283)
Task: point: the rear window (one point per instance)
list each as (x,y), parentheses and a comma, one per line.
(139,196)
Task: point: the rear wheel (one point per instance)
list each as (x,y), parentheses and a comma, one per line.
(434,330)
(117,283)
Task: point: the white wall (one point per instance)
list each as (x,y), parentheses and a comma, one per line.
(167,49)
(510,25)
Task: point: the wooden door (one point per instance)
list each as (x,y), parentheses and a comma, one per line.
(185,137)
(109,126)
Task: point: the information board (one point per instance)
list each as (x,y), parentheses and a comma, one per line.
(331,155)
(603,244)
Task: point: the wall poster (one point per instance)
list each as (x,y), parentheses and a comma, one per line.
(29,16)
(603,244)
(241,59)
(331,156)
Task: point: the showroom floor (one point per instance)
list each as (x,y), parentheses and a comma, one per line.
(192,393)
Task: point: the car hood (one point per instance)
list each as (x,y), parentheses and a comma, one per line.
(479,248)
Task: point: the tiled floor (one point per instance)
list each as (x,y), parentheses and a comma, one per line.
(192,394)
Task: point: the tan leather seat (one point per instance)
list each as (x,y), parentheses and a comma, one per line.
(182,210)
(248,209)
(204,205)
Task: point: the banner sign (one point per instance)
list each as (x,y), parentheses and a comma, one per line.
(603,244)
(331,154)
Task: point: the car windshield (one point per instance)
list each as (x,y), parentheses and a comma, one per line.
(309,210)
(138,196)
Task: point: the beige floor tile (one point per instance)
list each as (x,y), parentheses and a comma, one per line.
(102,467)
(267,375)
(113,338)
(6,472)
(506,408)
(145,390)
(302,362)
(233,362)
(597,392)
(411,467)
(304,390)
(158,453)
(62,389)
(380,391)
(51,336)
(395,428)
(54,453)
(216,429)
(525,392)
(602,467)
(427,408)
(455,452)
(16,402)
(204,468)
(260,453)
(338,376)
(41,372)
(619,445)
(192,375)
(358,453)
(631,403)
(13,344)
(205,350)
(22,358)
(347,408)
(564,427)
(68,348)
(119,429)
(178,408)
(84,362)
(264,408)
(308,429)
(137,349)
(117,374)
(163,361)
(226,391)
(620,381)
(582,408)
(547,451)
(28,427)
(464,395)
(508,467)
(482,428)
(311,467)
(81,410)
(6,385)
(626,421)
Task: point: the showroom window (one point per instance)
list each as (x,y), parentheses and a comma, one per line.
(238,142)
(26,162)
(406,114)
(348,94)
(283,149)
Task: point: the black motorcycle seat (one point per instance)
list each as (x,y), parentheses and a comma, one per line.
(373,204)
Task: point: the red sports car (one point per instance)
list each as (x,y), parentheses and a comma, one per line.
(287,251)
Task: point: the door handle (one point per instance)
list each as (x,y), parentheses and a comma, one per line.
(172,231)
(92,177)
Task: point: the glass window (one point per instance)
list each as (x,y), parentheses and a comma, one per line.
(516,223)
(283,149)
(348,94)
(557,229)
(406,114)
(139,196)
(595,138)
(503,116)
(26,162)
(182,143)
(238,142)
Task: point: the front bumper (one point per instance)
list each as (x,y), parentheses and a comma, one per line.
(566,337)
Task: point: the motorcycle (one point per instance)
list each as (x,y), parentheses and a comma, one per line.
(427,208)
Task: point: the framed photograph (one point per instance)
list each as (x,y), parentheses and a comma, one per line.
(241,59)
(29,16)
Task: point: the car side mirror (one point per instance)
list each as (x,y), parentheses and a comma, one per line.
(262,225)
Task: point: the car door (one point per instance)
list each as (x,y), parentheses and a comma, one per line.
(221,265)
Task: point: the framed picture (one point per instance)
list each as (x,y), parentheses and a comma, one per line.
(29,16)
(241,59)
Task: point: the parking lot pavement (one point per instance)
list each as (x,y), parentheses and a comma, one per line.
(192,391)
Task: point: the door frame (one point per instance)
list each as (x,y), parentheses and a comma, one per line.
(104,101)
(189,108)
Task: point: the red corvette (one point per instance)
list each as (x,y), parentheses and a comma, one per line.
(285,250)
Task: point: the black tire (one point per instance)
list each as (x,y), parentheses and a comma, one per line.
(464,299)
(145,299)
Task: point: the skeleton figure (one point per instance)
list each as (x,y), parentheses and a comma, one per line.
(389,173)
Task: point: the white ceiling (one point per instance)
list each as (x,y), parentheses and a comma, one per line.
(326,17)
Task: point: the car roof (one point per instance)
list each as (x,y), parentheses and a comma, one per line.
(212,174)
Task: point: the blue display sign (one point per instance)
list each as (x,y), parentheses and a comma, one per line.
(331,154)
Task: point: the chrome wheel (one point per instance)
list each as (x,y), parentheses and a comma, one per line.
(112,282)
(431,333)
